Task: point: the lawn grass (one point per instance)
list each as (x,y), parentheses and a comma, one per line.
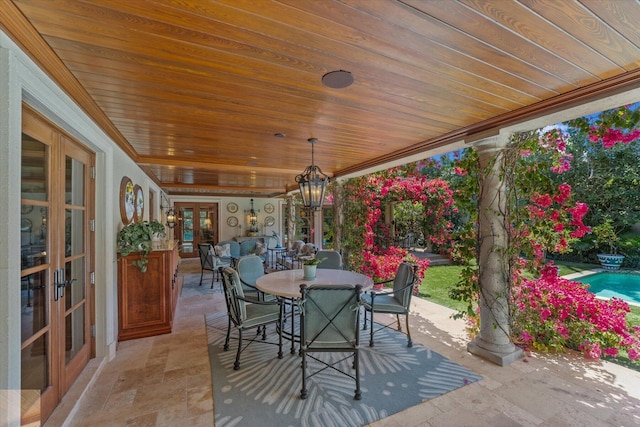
(439,279)
(436,284)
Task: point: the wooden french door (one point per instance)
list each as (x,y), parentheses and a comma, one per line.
(197,223)
(57,261)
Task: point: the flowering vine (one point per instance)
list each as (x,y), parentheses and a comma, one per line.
(366,233)
(546,311)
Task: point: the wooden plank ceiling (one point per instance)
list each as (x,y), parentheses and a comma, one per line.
(195,91)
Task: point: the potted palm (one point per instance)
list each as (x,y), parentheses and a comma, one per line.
(138,237)
(606,237)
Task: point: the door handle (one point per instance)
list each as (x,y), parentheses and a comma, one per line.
(55,285)
(65,284)
(59,284)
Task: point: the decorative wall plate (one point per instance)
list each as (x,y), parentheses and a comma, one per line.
(138,203)
(268,208)
(269,221)
(232,221)
(232,207)
(127,200)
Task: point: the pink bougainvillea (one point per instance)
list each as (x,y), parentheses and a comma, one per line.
(552,313)
(371,253)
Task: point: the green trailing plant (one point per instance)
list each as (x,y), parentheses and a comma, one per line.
(137,237)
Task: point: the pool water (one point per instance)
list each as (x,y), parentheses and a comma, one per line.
(620,285)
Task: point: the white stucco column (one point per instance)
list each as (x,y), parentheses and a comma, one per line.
(493,342)
(10,306)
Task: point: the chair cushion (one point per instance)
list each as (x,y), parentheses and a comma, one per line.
(307,249)
(258,313)
(384,304)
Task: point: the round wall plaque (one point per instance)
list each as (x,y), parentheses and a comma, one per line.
(138,203)
(127,200)
(232,221)
(268,208)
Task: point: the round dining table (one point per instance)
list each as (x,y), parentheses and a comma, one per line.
(286,284)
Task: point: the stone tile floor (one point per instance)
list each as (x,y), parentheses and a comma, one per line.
(166,381)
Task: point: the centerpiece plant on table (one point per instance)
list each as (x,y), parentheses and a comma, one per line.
(309,265)
(312,261)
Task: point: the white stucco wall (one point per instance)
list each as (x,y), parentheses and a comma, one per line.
(22,81)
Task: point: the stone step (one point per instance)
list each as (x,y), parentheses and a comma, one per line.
(434,259)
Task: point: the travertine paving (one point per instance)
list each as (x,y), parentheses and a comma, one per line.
(166,381)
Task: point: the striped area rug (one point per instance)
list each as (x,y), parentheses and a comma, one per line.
(265,391)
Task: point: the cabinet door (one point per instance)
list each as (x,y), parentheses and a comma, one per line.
(145,304)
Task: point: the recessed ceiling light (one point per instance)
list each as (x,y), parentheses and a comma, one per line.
(337,79)
(279,135)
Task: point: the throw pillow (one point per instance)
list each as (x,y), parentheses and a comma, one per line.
(226,251)
(259,249)
(218,250)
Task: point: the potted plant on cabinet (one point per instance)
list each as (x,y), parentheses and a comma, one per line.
(606,236)
(138,237)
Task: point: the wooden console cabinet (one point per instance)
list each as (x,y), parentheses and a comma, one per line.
(147,301)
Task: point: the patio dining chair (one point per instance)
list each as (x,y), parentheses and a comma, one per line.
(250,268)
(330,259)
(329,317)
(233,251)
(209,261)
(245,314)
(395,301)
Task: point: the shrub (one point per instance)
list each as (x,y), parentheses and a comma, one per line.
(553,313)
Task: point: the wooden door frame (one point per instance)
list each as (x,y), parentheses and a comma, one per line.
(196,206)
(42,130)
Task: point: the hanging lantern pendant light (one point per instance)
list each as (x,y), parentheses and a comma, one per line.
(312,182)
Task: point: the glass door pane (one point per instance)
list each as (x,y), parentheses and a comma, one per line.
(37,372)
(208,228)
(73,286)
(187,235)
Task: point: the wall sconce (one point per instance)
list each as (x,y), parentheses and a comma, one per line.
(172,218)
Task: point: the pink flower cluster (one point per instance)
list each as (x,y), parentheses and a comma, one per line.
(435,194)
(383,267)
(553,313)
(554,214)
(612,136)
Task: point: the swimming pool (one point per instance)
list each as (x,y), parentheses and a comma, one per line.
(625,286)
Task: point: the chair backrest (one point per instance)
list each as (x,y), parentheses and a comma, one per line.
(205,250)
(330,316)
(234,247)
(247,247)
(330,259)
(404,277)
(232,290)
(250,268)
